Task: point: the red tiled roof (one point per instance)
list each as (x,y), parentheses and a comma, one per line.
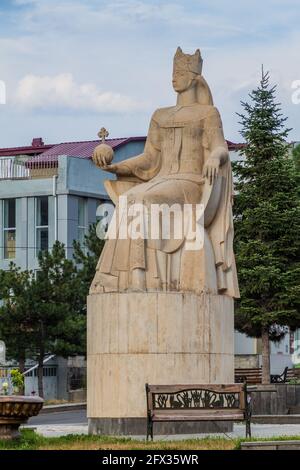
(234,146)
(85,149)
(82,149)
(28,150)
(49,152)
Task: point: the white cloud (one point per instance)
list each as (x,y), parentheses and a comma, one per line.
(74,15)
(128,45)
(62,92)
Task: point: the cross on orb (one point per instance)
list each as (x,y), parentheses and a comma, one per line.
(103,133)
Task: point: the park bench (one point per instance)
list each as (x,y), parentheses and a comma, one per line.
(250,375)
(183,403)
(286,375)
(254,375)
(279,378)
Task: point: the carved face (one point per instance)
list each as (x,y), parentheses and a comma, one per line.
(182,80)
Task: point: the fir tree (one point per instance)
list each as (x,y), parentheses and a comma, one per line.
(46,313)
(86,257)
(296,159)
(15,312)
(267,224)
(59,325)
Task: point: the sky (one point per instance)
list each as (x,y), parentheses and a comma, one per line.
(71,67)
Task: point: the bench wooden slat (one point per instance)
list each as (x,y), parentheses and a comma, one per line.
(229,388)
(204,417)
(198,414)
(196,411)
(251,375)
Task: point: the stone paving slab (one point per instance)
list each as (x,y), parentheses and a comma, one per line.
(58,430)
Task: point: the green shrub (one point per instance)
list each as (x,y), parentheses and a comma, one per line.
(17,379)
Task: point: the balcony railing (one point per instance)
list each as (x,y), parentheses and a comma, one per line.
(27,168)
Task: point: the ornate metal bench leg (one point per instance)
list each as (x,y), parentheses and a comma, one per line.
(248,427)
(248,413)
(149,428)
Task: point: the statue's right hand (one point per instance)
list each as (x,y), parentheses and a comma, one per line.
(103,156)
(97,158)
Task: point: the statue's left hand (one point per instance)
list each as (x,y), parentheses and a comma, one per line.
(211,169)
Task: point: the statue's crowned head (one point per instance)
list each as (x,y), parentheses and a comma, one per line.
(188,62)
(187,73)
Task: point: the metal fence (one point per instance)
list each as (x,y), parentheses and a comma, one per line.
(5,378)
(30,381)
(27,167)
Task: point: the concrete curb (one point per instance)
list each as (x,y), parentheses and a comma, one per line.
(64,407)
(271,445)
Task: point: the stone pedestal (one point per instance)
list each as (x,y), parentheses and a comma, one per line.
(9,429)
(159,338)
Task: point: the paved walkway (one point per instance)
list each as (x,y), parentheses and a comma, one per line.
(258,430)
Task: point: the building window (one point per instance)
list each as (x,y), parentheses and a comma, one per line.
(42,224)
(81,226)
(47,372)
(9,228)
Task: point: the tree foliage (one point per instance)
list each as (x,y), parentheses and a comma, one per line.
(86,258)
(40,313)
(267,220)
(296,159)
(45,313)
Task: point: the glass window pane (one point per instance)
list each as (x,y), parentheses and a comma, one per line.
(81,212)
(41,239)
(81,219)
(9,213)
(42,211)
(9,244)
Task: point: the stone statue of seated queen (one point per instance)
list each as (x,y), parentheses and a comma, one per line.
(158,311)
(185,161)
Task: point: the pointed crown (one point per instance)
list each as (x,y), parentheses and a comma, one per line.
(187,62)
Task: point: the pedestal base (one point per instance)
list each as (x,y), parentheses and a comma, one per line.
(10,430)
(155,338)
(138,426)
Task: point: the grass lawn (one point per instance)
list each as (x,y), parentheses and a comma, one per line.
(32,441)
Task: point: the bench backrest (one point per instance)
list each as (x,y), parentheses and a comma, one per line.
(290,374)
(254,375)
(199,396)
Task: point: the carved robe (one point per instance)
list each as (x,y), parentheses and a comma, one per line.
(179,142)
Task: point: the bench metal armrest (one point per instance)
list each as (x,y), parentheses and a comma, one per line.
(279,378)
